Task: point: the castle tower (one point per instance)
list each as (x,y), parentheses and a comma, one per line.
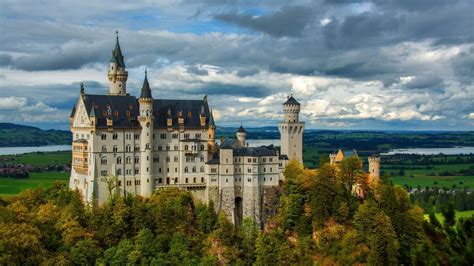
(241,136)
(332,158)
(146,139)
(291,130)
(374,169)
(117,73)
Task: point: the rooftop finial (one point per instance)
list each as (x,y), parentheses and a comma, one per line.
(82,88)
(116,33)
(145,72)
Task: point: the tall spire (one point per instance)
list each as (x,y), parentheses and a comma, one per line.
(146,92)
(117,56)
(211,120)
(92,112)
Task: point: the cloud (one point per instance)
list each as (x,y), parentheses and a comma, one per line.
(12,103)
(288,21)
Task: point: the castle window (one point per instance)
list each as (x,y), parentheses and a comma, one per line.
(119,160)
(202,169)
(147,146)
(168,159)
(264,169)
(156,159)
(176,158)
(168,147)
(186,147)
(264,159)
(254,160)
(167,180)
(186,180)
(186,169)
(120,183)
(137,136)
(153,135)
(198,136)
(128,160)
(167,170)
(194,169)
(264,179)
(129,172)
(202,179)
(115,136)
(119,171)
(270,159)
(160,147)
(115,149)
(249,170)
(160,180)
(159,170)
(103,160)
(137,159)
(147,169)
(202,147)
(249,160)
(163,136)
(227,170)
(213,170)
(194,180)
(176,180)
(270,169)
(174,135)
(175,147)
(103,173)
(186,136)
(103,136)
(270,179)
(137,171)
(176,169)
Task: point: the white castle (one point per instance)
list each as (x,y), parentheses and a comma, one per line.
(150,144)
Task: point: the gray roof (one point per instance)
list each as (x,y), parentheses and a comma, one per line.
(125,110)
(291,100)
(146,92)
(73,111)
(255,151)
(117,56)
(211,120)
(241,129)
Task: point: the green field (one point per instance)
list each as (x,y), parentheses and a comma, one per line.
(40,158)
(425,177)
(12,186)
(459,214)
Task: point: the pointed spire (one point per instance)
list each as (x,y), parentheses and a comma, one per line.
(92,112)
(241,129)
(73,112)
(117,56)
(211,120)
(146,92)
(82,88)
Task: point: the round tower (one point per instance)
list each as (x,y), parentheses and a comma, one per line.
(291,130)
(241,135)
(374,169)
(212,134)
(291,110)
(117,74)
(146,139)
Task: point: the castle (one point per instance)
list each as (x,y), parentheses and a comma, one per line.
(151,143)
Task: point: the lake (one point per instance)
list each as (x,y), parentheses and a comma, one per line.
(20,150)
(432,151)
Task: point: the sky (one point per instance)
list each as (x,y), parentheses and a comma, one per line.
(374,64)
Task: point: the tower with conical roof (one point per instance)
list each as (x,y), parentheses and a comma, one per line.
(117,74)
(146,119)
(241,136)
(291,130)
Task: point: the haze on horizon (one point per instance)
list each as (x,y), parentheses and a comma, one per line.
(384,65)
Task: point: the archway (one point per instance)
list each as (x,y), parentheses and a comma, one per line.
(238,211)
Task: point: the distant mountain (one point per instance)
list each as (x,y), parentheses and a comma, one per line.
(13,135)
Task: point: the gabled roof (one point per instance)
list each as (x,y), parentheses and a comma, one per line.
(291,100)
(117,56)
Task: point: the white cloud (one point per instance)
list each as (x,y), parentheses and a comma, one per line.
(12,103)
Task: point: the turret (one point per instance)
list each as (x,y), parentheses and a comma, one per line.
(241,135)
(374,169)
(117,74)
(332,158)
(146,119)
(291,110)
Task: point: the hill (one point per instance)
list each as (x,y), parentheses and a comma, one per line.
(13,135)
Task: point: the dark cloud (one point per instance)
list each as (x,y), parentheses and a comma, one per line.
(425,82)
(231,90)
(288,21)
(5,60)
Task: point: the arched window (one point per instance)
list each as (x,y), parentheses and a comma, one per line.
(194,169)
(186,169)
(202,179)
(176,180)
(176,158)
(186,180)
(119,160)
(128,160)
(194,180)
(202,158)
(128,148)
(202,169)
(202,147)
(103,160)
(160,180)
(186,147)
(115,149)
(104,148)
(119,171)
(168,158)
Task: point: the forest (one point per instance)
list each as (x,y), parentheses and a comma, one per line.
(318,220)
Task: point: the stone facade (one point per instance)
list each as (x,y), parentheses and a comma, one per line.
(150,144)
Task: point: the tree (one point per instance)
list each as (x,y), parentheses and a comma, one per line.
(383,242)
(112,184)
(323,194)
